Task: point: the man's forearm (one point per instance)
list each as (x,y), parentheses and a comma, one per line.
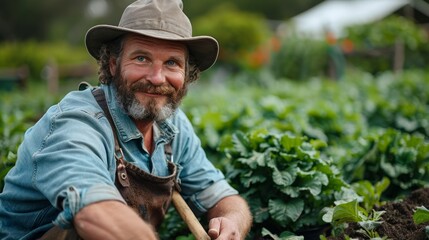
(111,220)
(234,208)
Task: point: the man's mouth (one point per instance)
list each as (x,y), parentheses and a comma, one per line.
(153,94)
(152,90)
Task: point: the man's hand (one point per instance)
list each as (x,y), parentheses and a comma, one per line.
(111,220)
(223,228)
(230,218)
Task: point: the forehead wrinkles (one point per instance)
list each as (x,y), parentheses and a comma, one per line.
(159,44)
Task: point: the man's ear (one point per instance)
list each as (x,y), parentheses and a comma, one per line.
(112,66)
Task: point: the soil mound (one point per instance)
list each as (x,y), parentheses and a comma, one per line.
(398,219)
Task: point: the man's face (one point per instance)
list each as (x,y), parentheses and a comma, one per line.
(150,77)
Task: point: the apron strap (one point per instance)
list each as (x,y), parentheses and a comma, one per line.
(119,155)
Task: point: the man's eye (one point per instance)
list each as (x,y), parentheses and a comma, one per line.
(171,63)
(141,58)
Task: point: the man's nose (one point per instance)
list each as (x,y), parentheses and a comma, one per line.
(156,76)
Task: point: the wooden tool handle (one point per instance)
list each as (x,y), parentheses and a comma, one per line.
(188,216)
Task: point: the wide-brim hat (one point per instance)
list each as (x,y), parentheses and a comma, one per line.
(162,19)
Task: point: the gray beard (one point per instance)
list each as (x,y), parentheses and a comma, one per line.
(139,112)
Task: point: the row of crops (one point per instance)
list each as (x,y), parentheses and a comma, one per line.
(294,148)
(290,148)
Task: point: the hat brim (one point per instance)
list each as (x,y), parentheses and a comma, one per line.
(204,49)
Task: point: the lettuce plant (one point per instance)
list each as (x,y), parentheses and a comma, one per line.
(285,180)
(371,194)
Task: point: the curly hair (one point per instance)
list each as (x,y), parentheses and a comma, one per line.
(114,49)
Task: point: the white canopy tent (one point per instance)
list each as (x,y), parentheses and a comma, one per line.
(335,15)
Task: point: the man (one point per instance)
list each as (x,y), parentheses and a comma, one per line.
(98,163)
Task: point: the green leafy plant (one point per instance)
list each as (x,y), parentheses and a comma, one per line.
(371,194)
(351,212)
(283,236)
(421,215)
(284,178)
(401,157)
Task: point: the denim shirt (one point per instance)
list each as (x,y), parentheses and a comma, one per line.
(66,162)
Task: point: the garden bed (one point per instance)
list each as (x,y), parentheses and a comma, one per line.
(398,219)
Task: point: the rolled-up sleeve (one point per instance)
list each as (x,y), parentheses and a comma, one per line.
(203,201)
(76,200)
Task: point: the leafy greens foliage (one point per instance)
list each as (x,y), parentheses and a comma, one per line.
(284,178)
(374,130)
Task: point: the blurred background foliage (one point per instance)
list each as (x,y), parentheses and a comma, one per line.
(36,36)
(69,20)
(65,20)
(379,40)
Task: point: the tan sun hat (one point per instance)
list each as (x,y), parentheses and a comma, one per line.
(162,19)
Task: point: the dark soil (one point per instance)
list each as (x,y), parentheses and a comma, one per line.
(398,219)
